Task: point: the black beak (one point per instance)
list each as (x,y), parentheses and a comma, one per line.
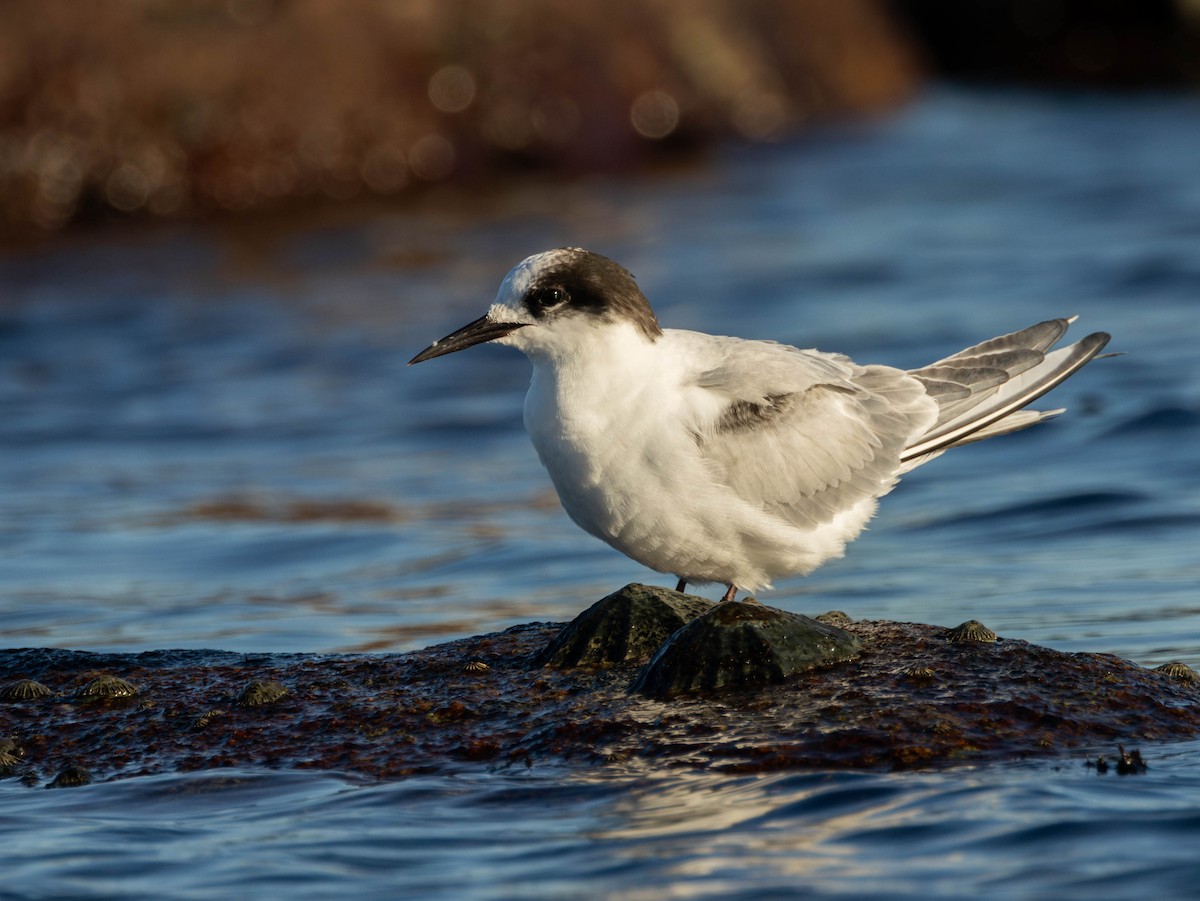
(477,332)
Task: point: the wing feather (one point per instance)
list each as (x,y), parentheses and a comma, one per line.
(814,436)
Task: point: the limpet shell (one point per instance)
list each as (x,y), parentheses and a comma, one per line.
(834,618)
(25,690)
(1179,672)
(107,686)
(260,691)
(971,630)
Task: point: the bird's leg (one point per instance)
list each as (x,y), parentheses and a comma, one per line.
(681,586)
(730,593)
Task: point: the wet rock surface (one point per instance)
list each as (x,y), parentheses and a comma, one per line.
(911,698)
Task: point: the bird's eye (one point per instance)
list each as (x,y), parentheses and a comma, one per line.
(548,298)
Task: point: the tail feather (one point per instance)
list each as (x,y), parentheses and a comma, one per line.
(981,391)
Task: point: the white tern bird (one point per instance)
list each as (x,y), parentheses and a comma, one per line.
(720,459)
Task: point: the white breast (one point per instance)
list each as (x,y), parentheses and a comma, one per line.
(601,422)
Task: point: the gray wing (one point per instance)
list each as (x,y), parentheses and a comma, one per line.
(804,434)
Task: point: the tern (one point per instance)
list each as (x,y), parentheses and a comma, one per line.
(726,460)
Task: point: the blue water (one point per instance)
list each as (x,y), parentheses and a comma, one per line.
(209,438)
(1019,831)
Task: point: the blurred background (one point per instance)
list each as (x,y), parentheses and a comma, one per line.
(169,108)
(227,224)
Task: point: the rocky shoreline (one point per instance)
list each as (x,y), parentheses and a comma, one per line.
(908,696)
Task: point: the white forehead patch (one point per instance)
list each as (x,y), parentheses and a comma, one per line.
(502,312)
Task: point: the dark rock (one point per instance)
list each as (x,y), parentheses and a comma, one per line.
(737,645)
(71,777)
(1130,763)
(1100,764)
(629,625)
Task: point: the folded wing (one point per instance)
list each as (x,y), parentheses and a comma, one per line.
(807,435)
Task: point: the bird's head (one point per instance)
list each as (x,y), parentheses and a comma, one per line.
(551,302)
